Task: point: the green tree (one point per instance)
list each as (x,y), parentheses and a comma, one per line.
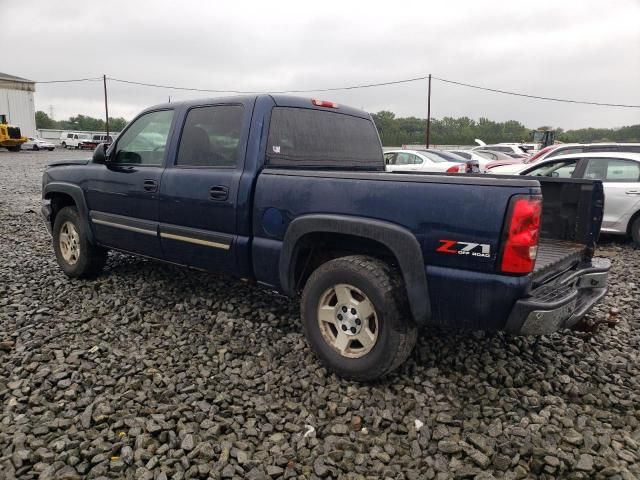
(44,121)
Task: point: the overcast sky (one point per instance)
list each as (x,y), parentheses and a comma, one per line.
(582,50)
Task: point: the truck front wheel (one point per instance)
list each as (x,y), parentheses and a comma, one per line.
(355,317)
(77,257)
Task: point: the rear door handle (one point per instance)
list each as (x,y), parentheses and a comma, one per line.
(150,185)
(219,193)
(632,192)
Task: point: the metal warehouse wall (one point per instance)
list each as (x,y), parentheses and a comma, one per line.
(20,110)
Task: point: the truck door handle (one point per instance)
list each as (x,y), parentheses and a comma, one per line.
(219,193)
(632,192)
(150,185)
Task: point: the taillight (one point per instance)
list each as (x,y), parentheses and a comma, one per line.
(324,103)
(456,169)
(521,241)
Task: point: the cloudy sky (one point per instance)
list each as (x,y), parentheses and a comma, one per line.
(582,50)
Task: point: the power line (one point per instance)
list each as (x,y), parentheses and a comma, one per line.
(369,85)
(247,92)
(96,79)
(495,90)
(351,87)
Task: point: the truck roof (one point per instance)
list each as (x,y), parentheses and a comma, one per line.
(279,100)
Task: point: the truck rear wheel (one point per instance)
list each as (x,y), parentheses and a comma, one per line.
(355,317)
(15,148)
(77,257)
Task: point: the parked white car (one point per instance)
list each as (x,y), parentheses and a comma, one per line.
(502,147)
(620,175)
(38,144)
(73,139)
(557,150)
(428,161)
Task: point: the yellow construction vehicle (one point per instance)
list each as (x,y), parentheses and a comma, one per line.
(544,137)
(10,136)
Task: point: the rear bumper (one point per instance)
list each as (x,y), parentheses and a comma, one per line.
(562,304)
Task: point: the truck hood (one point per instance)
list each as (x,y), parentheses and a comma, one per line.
(61,163)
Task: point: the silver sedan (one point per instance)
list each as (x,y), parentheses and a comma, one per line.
(620,175)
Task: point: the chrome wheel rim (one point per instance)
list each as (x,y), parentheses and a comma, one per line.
(69,241)
(348,320)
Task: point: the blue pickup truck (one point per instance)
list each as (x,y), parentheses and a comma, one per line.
(291,193)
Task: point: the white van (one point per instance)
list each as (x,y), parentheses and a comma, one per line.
(73,139)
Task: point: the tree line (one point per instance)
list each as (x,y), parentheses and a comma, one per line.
(396,131)
(79,122)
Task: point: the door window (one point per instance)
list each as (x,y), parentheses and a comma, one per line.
(559,169)
(404,158)
(613,170)
(145,140)
(211,137)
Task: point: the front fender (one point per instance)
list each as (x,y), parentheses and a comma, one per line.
(76,193)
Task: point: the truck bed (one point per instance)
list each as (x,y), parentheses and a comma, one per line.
(555,256)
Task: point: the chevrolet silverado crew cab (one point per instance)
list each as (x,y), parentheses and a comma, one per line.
(292,193)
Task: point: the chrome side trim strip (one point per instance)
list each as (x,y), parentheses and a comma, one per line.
(196,241)
(124,227)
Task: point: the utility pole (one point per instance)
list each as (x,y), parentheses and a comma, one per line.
(428,133)
(106,105)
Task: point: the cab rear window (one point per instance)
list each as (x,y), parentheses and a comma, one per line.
(307,138)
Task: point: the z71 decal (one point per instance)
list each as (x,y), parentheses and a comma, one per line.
(464,248)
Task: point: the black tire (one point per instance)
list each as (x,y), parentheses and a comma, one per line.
(635,231)
(91,258)
(381,284)
(15,148)
(64,145)
(50,149)
(36,147)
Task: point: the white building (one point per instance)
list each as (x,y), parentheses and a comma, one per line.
(16,102)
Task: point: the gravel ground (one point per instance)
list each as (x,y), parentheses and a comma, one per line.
(155,372)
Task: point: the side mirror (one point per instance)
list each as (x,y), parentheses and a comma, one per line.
(100,154)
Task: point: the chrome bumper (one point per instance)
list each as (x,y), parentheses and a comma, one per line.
(562,304)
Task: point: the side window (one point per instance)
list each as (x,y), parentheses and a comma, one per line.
(416,160)
(613,170)
(211,137)
(404,159)
(145,140)
(559,169)
(598,148)
(565,151)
